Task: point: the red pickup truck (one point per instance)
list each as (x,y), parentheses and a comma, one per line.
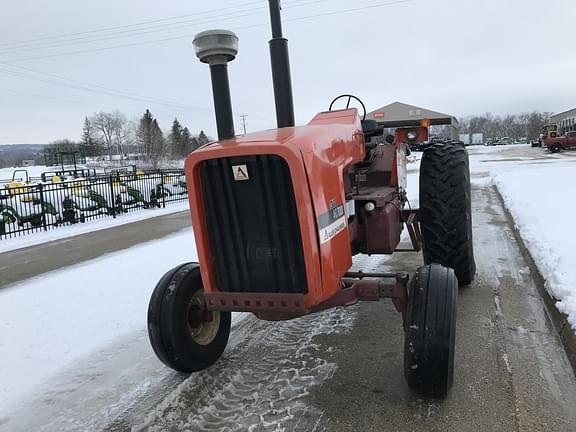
(561,142)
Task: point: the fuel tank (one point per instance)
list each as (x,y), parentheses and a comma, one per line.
(269,216)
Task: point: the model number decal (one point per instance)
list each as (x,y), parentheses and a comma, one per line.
(331,223)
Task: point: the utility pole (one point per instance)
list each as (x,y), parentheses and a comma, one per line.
(243,119)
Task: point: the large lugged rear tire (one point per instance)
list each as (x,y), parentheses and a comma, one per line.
(431,331)
(446,210)
(184,335)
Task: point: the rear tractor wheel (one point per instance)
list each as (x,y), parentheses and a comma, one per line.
(184,334)
(431,330)
(446,209)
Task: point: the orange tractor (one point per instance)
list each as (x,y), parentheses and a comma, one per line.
(278,215)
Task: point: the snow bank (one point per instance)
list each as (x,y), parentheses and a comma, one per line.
(541,201)
(52,321)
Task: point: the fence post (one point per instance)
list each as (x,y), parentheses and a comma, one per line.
(163,192)
(41,189)
(113,198)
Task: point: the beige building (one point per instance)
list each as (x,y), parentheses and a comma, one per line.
(399,114)
(566,121)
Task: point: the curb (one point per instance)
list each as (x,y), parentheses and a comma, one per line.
(559,319)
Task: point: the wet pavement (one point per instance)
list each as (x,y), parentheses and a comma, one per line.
(511,372)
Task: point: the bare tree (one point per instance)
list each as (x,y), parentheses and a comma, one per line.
(112,130)
(516,127)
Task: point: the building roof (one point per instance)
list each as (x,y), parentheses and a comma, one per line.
(564,114)
(400,113)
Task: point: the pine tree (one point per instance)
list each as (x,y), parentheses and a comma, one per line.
(194,143)
(89,145)
(144,135)
(176,139)
(186,141)
(202,138)
(158,143)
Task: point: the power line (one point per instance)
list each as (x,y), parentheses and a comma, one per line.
(99,49)
(105,29)
(10,49)
(77,87)
(109,92)
(130,33)
(357,9)
(84,83)
(147,42)
(93,105)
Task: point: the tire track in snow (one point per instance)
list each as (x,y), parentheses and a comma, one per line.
(110,389)
(259,384)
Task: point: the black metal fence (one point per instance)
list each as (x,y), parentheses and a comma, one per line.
(31,205)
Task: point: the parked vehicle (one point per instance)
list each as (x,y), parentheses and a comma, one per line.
(57,198)
(503,141)
(555,144)
(22,204)
(548,131)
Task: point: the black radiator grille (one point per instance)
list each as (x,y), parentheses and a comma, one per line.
(253,225)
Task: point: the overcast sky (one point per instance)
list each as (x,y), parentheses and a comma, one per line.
(461,57)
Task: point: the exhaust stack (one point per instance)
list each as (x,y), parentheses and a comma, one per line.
(217,48)
(281,70)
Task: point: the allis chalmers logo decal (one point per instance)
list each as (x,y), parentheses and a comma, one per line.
(331,223)
(240,172)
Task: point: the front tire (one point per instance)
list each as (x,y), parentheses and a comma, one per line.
(431,331)
(184,335)
(446,209)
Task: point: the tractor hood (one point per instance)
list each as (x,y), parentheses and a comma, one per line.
(241,174)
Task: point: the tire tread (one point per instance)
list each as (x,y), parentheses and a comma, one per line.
(445,209)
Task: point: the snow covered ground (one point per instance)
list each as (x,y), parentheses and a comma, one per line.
(33,171)
(541,201)
(50,322)
(53,322)
(538,189)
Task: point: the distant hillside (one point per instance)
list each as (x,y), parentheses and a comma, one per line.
(33,147)
(12,155)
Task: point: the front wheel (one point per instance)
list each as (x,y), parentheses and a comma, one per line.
(556,148)
(431,331)
(184,334)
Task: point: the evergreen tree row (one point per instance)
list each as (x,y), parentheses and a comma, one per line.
(110,133)
(182,142)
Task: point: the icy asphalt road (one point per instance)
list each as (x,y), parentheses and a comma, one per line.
(340,370)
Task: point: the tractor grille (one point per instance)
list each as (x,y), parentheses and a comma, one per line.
(253,225)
